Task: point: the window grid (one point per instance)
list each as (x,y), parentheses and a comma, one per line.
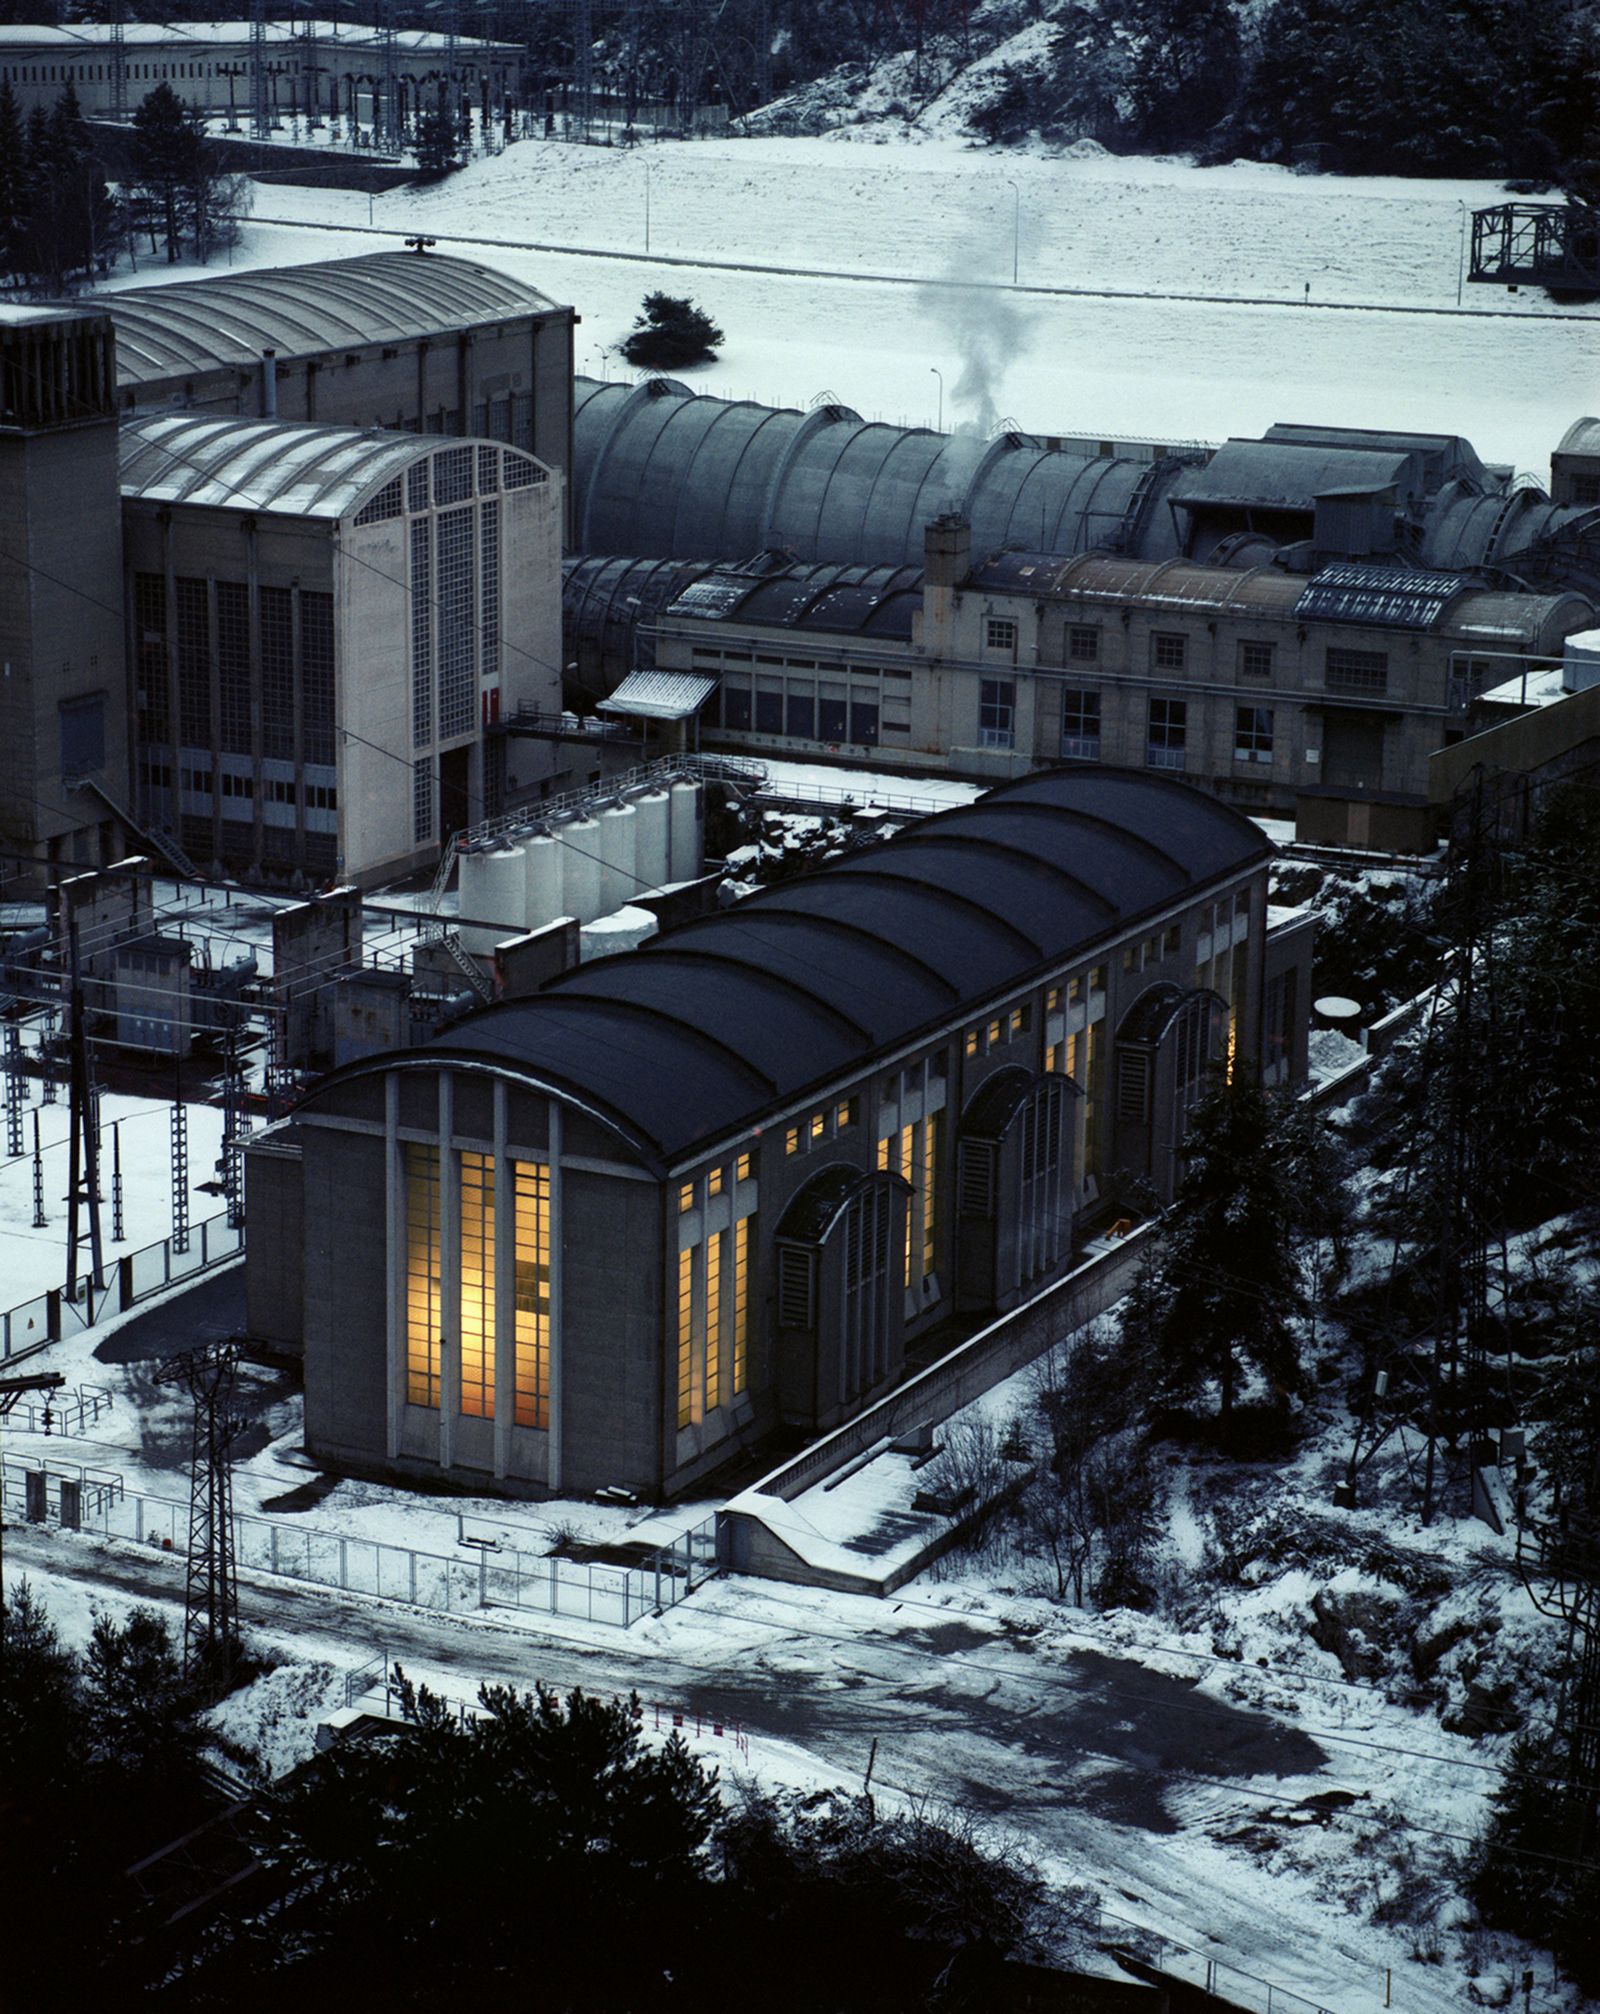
(488,471)
(530,1185)
(1252,734)
(1042,1212)
(1168,728)
(864,1341)
(277,673)
(1083,644)
(194,664)
(1168,653)
(233,665)
(453,599)
(422,821)
(713,1385)
(316,677)
(932,1140)
(1357,670)
(477,1286)
(489,592)
(741,1305)
(999,633)
(422,1274)
(417,486)
(421,634)
(997,712)
(1255,660)
(687,1414)
(1080,725)
(150,618)
(452,476)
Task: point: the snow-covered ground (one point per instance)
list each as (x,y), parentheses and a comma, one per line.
(1511,380)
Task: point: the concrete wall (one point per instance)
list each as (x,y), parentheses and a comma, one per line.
(274,1272)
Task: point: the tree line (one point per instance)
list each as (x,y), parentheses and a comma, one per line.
(63,223)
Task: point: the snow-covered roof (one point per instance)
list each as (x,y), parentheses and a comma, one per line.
(336,304)
(232,464)
(1581,438)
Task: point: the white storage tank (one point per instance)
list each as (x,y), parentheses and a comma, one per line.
(492,897)
(543,863)
(653,851)
(619,826)
(579,840)
(471,886)
(687,836)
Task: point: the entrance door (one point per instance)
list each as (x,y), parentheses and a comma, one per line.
(1352,751)
(455,798)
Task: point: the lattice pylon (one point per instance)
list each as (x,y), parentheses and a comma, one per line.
(211,1595)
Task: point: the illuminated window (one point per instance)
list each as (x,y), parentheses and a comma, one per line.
(1074,992)
(531,1371)
(742,1168)
(817,1127)
(713,1384)
(1097,979)
(1021,1021)
(970,1045)
(741,1305)
(687,1393)
(1052,999)
(791,1140)
(932,1137)
(993,1034)
(714,1182)
(1052,1057)
(685,1197)
(422,1275)
(908,1172)
(477,1286)
(845,1115)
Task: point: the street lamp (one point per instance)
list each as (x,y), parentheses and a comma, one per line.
(940,376)
(1461,262)
(1016,225)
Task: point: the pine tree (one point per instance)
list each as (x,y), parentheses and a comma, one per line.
(164,142)
(670,332)
(438,145)
(1227,1286)
(13,185)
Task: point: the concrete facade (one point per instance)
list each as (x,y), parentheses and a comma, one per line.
(696,1302)
(63,700)
(1230,679)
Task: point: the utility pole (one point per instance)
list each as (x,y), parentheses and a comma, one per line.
(83,1159)
(211,1597)
(11,1390)
(14,1099)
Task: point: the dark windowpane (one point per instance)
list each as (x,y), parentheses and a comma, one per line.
(832,720)
(736,705)
(801,716)
(769,712)
(864,722)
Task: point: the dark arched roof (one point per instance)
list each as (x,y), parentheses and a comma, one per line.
(714,1024)
(335,304)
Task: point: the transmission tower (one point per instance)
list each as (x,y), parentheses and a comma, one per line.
(119,64)
(385,121)
(211,1600)
(14,1091)
(260,99)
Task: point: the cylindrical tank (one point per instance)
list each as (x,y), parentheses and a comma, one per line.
(688,839)
(619,826)
(492,898)
(653,851)
(579,840)
(543,860)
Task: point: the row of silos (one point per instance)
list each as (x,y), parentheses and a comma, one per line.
(585,863)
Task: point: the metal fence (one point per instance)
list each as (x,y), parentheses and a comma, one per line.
(68,1413)
(477,1578)
(1173,1960)
(125,1280)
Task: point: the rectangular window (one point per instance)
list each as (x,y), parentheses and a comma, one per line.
(489,591)
(864,722)
(685,1197)
(452,475)
(1356,670)
(791,1140)
(714,1182)
(277,673)
(1000,633)
(1252,734)
(741,1168)
(741,1305)
(417,485)
(1083,644)
(477,1286)
(687,1394)
(317,731)
(997,713)
(932,1141)
(1052,999)
(422,1274)
(736,705)
(233,665)
(833,714)
(1168,652)
(421,630)
(969,1043)
(423,832)
(907,1167)
(1080,725)
(816,1127)
(1168,728)
(800,713)
(1255,660)
(453,607)
(531,1371)
(713,1383)
(194,664)
(769,706)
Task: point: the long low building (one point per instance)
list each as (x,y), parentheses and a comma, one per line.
(684,1199)
(309,69)
(1322,695)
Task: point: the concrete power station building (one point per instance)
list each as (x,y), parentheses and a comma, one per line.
(334,510)
(682,1199)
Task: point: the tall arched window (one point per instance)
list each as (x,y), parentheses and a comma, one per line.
(1044,1213)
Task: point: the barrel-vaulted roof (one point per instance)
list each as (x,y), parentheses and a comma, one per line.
(261,465)
(336,304)
(714,1024)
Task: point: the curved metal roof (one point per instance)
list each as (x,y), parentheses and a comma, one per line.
(336,304)
(260,465)
(841,600)
(1581,438)
(713,1024)
(661,472)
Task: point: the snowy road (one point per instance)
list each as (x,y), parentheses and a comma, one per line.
(1110,1771)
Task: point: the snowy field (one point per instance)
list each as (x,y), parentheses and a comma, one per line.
(1511,373)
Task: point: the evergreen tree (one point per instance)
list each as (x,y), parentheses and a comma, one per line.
(13,185)
(438,145)
(1226,1285)
(184,196)
(671,331)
